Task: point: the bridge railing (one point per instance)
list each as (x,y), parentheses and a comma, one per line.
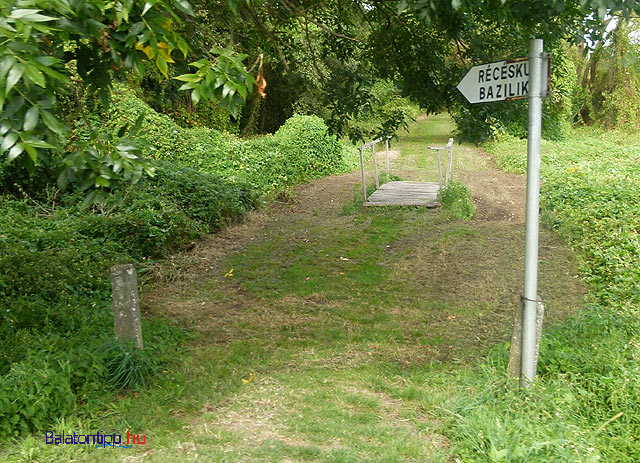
(372,145)
(449,148)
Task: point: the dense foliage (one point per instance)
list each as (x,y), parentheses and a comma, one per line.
(55,255)
(610,79)
(56,315)
(585,407)
(51,46)
(456,200)
(300,150)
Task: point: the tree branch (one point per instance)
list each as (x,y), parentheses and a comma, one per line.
(325,28)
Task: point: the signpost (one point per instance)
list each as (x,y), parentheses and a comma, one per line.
(499,81)
(504,81)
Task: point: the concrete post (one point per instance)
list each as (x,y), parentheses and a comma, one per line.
(126,304)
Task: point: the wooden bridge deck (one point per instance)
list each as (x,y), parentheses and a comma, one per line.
(405,194)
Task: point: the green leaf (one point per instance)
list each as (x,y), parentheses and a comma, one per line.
(14,152)
(195,95)
(137,125)
(6,64)
(89,199)
(63,179)
(183,46)
(36,76)
(31,119)
(227,90)
(147,7)
(4,127)
(161,63)
(15,74)
(53,123)
(29,15)
(47,60)
(124,147)
(102,181)
(188,86)
(51,72)
(38,144)
(137,28)
(8,141)
(189,77)
(32,152)
(184,6)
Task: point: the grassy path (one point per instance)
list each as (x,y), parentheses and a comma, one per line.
(331,332)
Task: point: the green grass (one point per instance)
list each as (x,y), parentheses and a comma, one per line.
(343,334)
(585,405)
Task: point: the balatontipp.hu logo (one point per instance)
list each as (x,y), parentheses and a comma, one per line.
(99,439)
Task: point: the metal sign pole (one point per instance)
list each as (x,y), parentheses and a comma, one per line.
(528,370)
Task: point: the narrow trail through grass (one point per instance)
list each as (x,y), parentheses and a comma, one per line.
(326,331)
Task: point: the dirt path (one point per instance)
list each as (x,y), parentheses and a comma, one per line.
(318,317)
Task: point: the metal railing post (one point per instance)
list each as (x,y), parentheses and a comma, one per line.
(375,164)
(364,185)
(387,148)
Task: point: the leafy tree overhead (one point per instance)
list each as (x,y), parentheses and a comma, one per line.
(318,57)
(48,47)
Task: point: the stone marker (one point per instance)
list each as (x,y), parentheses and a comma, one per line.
(126,304)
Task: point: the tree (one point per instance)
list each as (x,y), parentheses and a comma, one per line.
(49,47)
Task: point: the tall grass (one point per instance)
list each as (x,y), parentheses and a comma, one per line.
(585,406)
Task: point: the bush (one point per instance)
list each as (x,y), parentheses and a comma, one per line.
(33,393)
(389,112)
(585,403)
(55,290)
(126,365)
(55,255)
(300,150)
(456,200)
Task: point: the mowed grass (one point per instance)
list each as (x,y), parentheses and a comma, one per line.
(335,333)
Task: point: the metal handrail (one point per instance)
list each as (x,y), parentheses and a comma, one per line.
(372,145)
(448,147)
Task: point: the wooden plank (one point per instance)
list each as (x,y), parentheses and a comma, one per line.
(410,185)
(405,194)
(412,192)
(403,203)
(415,189)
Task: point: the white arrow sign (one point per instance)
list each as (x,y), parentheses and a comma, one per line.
(499,81)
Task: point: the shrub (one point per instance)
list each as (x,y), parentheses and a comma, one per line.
(389,113)
(456,200)
(55,255)
(588,368)
(300,150)
(55,290)
(33,393)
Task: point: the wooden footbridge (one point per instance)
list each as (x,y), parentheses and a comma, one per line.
(405,193)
